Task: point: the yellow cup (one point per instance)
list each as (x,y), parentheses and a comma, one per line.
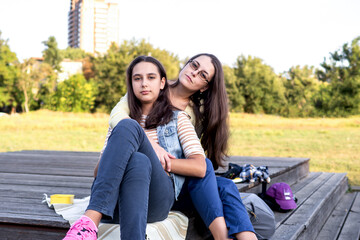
(62,198)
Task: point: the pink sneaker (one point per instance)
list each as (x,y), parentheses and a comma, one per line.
(84,228)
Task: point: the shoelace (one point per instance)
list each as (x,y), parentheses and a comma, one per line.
(79,230)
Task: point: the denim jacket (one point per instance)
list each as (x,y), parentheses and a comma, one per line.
(169,140)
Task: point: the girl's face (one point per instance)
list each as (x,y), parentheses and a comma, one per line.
(146,82)
(197,74)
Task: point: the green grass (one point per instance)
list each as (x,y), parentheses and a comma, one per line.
(47,130)
(332,144)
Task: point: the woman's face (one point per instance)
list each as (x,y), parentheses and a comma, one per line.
(197,74)
(146,82)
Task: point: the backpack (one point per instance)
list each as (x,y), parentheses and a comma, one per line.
(260,214)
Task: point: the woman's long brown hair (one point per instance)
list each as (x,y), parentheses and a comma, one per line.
(161,112)
(211,114)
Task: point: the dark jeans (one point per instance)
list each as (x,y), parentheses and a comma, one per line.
(214,197)
(131,186)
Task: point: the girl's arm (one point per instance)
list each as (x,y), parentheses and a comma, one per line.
(194,164)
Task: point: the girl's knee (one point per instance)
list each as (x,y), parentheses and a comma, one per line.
(141,162)
(226,185)
(128,124)
(209,166)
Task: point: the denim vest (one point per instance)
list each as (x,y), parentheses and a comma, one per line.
(169,140)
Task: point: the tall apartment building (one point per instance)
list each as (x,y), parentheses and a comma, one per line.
(93,25)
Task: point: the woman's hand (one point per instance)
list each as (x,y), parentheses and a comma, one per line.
(164,157)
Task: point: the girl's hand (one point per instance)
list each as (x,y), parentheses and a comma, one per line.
(167,159)
(164,157)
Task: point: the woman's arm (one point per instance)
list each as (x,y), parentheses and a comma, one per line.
(119,112)
(194,164)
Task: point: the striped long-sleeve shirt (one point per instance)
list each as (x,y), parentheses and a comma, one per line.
(189,140)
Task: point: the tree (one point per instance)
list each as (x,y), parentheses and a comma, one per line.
(9,72)
(73,53)
(262,89)
(342,72)
(25,82)
(110,70)
(33,75)
(52,54)
(74,95)
(236,99)
(301,85)
(47,86)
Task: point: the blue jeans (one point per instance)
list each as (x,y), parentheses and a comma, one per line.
(214,197)
(131,186)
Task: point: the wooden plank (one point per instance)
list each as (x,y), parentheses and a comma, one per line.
(329,199)
(36,195)
(30,168)
(55,161)
(248,159)
(20,200)
(351,228)
(53,152)
(46,171)
(333,225)
(44,189)
(31,157)
(28,209)
(305,181)
(16,232)
(45,180)
(33,220)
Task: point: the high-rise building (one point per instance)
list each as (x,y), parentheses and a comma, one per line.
(93,25)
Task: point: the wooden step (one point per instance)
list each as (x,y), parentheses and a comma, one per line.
(351,228)
(317,196)
(344,220)
(26,175)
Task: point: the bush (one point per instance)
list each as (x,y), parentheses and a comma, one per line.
(75,94)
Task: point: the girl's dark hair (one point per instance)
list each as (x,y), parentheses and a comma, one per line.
(161,112)
(211,114)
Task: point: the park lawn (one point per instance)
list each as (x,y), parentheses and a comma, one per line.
(332,144)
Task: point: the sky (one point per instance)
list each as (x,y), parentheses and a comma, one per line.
(283,33)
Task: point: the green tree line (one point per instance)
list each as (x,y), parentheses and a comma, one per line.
(253,87)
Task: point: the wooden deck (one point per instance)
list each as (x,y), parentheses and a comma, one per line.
(26,175)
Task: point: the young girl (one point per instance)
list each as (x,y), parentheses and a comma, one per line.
(200,91)
(131,184)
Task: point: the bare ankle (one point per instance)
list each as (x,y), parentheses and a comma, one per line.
(246,236)
(95,216)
